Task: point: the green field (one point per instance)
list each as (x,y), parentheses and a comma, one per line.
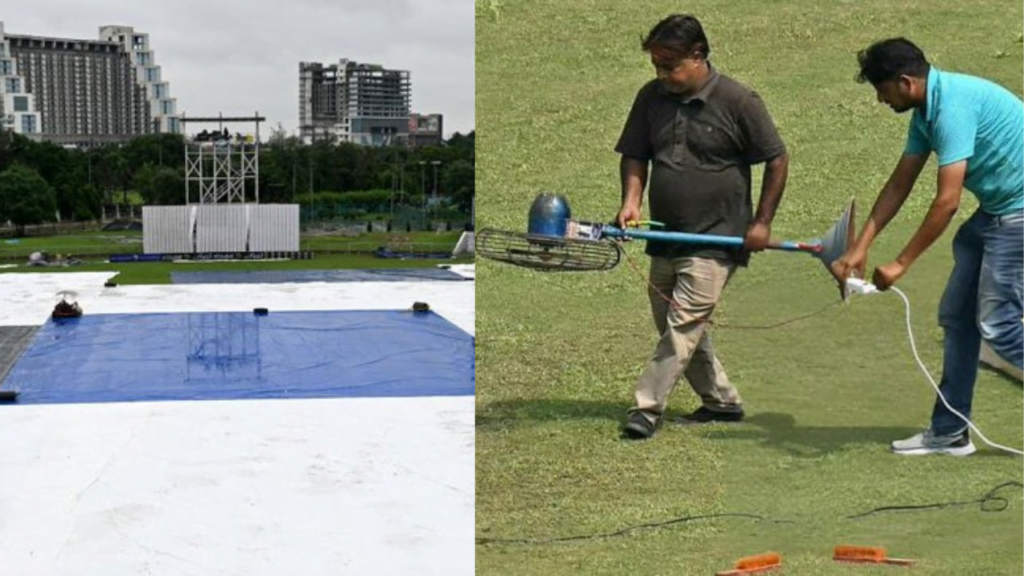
(330,252)
(558,354)
(86,244)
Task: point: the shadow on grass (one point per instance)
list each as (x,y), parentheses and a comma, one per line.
(781,432)
(529,412)
(1000,375)
(775,430)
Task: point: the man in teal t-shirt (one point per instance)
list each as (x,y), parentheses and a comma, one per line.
(976,129)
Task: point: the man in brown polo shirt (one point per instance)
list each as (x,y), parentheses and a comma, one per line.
(700,131)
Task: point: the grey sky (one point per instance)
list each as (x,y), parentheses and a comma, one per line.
(239,57)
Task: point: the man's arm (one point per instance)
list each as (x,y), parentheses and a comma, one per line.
(947,200)
(944,206)
(633,173)
(891,198)
(889,202)
(772,185)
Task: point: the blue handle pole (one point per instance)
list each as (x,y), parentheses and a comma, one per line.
(709,239)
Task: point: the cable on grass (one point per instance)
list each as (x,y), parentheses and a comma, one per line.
(624,531)
(990,502)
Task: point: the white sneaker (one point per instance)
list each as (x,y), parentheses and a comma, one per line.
(927,442)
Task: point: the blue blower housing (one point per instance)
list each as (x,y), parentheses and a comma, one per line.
(549,214)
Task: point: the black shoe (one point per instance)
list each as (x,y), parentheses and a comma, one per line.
(703,416)
(640,427)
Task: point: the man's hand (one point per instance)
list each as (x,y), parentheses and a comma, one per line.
(852,263)
(628,213)
(885,276)
(757,237)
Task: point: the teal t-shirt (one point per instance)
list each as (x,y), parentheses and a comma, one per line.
(973,119)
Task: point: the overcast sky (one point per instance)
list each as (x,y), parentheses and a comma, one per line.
(238,57)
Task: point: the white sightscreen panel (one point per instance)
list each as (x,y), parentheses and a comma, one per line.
(166,229)
(221,228)
(274,228)
(466,244)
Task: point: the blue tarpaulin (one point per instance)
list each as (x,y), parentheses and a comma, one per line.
(334,275)
(241,355)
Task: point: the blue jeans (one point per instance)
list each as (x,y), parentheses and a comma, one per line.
(982,301)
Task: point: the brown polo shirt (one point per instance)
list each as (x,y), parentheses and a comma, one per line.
(701,148)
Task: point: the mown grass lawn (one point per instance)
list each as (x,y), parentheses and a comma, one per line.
(558,354)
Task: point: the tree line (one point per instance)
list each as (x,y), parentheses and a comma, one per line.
(43,182)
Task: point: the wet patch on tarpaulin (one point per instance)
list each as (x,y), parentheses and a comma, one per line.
(13,341)
(241,355)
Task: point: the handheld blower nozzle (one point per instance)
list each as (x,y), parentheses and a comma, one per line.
(555,241)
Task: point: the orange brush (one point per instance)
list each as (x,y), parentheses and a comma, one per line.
(754,565)
(868,555)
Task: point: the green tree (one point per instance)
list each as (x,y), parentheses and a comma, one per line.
(25,198)
(160,185)
(6,140)
(88,203)
(460,184)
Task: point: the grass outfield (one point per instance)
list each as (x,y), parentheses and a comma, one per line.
(102,243)
(558,354)
(160,272)
(329,254)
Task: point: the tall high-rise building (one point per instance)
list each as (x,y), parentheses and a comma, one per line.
(162,108)
(84,92)
(17,106)
(350,102)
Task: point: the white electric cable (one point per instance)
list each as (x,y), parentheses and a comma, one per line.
(913,347)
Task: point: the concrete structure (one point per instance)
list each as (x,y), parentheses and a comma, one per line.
(84,92)
(364,104)
(18,111)
(426,130)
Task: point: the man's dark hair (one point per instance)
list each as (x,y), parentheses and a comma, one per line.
(679,33)
(890,59)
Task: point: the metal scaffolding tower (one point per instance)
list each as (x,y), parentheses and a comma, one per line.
(217,170)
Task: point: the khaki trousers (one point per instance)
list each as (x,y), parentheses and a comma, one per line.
(695,285)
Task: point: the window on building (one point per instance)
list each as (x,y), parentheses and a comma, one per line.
(6,68)
(21,103)
(28,124)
